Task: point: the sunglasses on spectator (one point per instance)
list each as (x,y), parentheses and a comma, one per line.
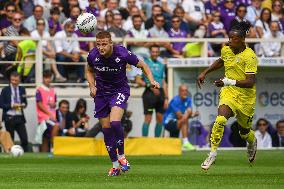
(175,21)
(17,19)
(229,1)
(242,10)
(11,10)
(261,124)
(277,5)
(160,20)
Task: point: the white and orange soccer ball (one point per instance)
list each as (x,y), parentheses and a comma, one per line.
(86,22)
(17,151)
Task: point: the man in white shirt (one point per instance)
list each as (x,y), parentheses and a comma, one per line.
(30,22)
(272,49)
(68,51)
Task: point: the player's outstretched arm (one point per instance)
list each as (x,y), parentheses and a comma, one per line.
(146,70)
(215,66)
(246,83)
(90,75)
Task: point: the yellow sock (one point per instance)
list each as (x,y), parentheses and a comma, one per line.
(249,137)
(217,132)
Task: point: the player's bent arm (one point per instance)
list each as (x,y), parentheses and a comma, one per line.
(217,64)
(90,76)
(165,88)
(140,81)
(248,82)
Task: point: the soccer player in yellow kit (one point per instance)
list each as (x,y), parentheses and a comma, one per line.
(238,93)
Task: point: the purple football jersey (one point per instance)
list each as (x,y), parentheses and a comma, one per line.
(110,73)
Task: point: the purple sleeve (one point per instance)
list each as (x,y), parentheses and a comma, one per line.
(210,29)
(131,58)
(130,34)
(90,58)
(38,96)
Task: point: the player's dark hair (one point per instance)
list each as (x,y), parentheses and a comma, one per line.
(242,28)
(63,102)
(55,10)
(47,74)
(278,123)
(103,34)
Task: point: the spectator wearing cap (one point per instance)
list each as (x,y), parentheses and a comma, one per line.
(278,136)
(53,22)
(68,51)
(116,29)
(194,12)
(47,48)
(228,14)
(6,19)
(176,32)
(30,22)
(253,11)
(272,49)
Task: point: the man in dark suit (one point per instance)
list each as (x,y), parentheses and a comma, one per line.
(278,136)
(64,118)
(13,100)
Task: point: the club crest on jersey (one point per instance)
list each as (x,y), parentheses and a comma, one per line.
(238,59)
(117,60)
(97,59)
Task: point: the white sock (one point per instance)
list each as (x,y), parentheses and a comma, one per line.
(120,156)
(184,140)
(115,164)
(213,154)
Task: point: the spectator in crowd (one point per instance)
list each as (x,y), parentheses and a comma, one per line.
(176,32)
(125,12)
(154,99)
(68,51)
(261,134)
(253,11)
(26,51)
(278,137)
(276,13)
(128,24)
(30,22)
(169,6)
(241,12)
(80,120)
(53,22)
(68,5)
(47,48)
(46,111)
(93,7)
(156,10)
(262,24)
(194,13)
(26,6)
(272,49)
(46,5)
(281,22)
(5,140)
(126,123)
(139,48)
(108,19)
(13,101)
(75,11)
(228,14)
(235,138)
(85,46)
(101,25)
(157,31)
(116,29)
(6,19)
(64,118)
(177,115)
(111,5)
(56,4)
(210,7)
(10,47)
(179,12)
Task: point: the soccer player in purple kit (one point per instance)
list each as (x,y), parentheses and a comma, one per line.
(106,74)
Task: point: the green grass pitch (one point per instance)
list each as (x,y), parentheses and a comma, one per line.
(230,171)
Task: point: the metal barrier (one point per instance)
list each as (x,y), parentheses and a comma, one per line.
(39,54)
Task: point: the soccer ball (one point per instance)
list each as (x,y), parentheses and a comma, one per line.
(17,151)
(86,22)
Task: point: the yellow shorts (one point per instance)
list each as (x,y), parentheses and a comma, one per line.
(243,111)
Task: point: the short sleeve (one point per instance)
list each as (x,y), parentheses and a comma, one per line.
(131,58)
(174,106)
(189,103)
(251,64)
(89,59)
(38,96)
(223,53)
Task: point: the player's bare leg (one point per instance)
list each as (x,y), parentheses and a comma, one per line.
(248,135)
(224,113)
(115,122)
(109,139)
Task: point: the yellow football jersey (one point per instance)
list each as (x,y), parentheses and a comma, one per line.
(236,67)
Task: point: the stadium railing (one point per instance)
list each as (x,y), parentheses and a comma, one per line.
(173,62)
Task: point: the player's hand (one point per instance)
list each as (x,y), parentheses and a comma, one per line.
(219,83)
(155,85)
(200,79)
(155,91)
(196,114)
(93,91)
